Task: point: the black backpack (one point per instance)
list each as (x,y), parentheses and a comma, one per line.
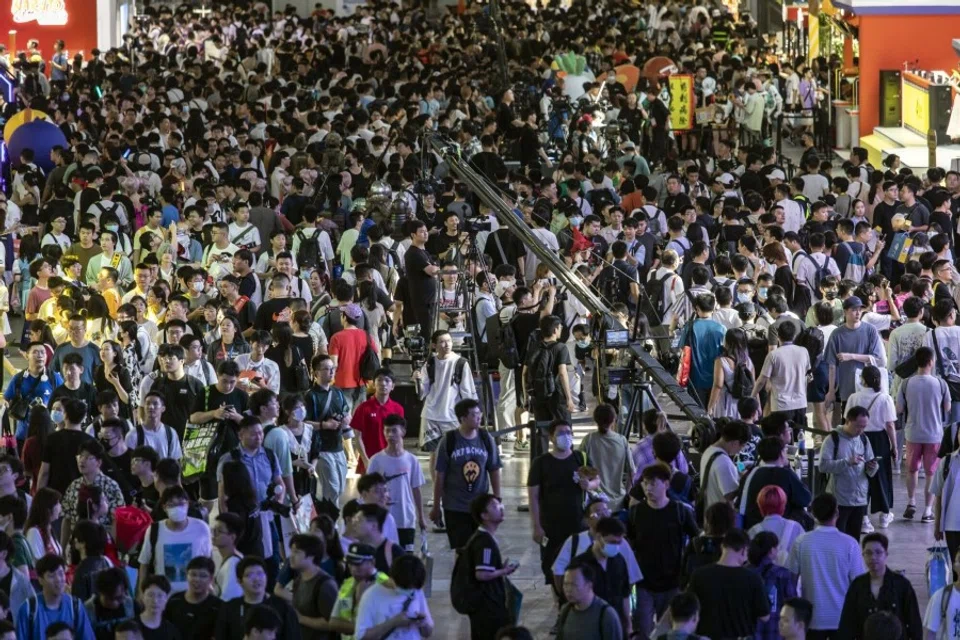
(463,582)
(743,380)
(308,253)
(655,294)
(502,342)
(543,380)
(811,339)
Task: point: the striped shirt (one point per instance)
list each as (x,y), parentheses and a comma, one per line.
(827,561)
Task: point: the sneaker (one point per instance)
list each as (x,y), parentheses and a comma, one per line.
(927,518)
(867,526)
(909,512)
(523,445)
(885,520)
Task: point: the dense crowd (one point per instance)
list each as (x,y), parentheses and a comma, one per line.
(248,236)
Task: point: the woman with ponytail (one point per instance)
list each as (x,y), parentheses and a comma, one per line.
(882,434)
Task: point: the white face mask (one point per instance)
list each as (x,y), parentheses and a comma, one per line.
(57,416)
(198,287)
(299,414)
(177,514)
(564,442)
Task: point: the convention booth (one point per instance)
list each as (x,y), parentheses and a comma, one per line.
(907,79)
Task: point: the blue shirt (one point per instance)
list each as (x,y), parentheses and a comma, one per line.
(262,467)
(43,617)
(91,359)
(708,345)
(32,389)
(62,60)
(170,215)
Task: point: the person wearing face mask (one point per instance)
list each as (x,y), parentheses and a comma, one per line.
(176,540)
(829,293)
(613,578)
(555,495)
(110,222)
(116,464)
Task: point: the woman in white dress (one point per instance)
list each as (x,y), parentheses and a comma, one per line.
(722,403)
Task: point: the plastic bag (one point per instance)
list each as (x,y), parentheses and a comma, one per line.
(939,568)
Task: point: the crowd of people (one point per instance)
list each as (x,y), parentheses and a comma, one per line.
(223,273)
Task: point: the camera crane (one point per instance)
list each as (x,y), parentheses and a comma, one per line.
(603,320)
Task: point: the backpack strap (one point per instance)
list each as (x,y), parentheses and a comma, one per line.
(458,371)
(706,471)
(141,436)
(945,602)
(603,611)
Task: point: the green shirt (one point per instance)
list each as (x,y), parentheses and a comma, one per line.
(347,242)
(21,552)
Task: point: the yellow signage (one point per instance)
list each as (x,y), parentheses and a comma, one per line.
(44,12)
(916,108)
(682,105)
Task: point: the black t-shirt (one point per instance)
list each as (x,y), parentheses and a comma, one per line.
(504,247)
(166,631)
(484,552)
(561,499)
(60,452)
(439,243)
(247,315)
(213,398)
(269,312)
(613,583)
(108,620)
(882,217)
(380,556)
(147,497)
(731,600)
(248,284)
(658,536)
(179,399)
(85,393)
(422,288)
(117,468)
(560,355)
(942,219)
(524,324)
(196,621)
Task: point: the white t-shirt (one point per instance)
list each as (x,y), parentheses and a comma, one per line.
(175,549)
(157,440)
(403,474)
(880,405)
(381,603)
(246,236)
(946,627)
(723,479)
(228,587)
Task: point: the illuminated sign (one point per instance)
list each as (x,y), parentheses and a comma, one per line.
(43,12)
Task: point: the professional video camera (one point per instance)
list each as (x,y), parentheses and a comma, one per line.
(415,345)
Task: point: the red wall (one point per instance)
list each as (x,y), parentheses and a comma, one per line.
(80,32)
(886,42)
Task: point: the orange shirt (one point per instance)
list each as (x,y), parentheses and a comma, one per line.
(348,345)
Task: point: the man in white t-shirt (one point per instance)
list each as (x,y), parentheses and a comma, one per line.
(153,433)
(723,480)
(225,532)
(403,478)
(178,539)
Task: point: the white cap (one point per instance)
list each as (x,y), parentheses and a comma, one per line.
(725,179)
(777,174)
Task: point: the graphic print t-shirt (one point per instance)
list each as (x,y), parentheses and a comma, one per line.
(466,469)
(175,549)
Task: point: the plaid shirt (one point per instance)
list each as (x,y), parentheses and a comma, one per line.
(643,457)
(110,489)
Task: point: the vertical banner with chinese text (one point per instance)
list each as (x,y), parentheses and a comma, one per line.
(681,102)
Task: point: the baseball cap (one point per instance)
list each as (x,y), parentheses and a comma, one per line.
(853,302)
(352,310)
(725,179)
(777,174)
(358,553)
